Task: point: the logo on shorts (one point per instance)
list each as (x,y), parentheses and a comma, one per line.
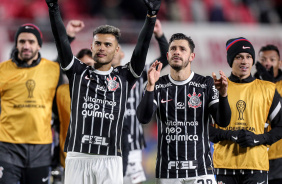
(112,83)
(194,100)
(220,182)
(1,171)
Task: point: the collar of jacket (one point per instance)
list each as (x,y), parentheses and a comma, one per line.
(236,79)
(23,64)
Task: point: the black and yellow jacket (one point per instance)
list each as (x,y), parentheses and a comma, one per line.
(253,102)
(27,94)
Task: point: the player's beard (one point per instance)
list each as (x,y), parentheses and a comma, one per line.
(178,67)
(28,57)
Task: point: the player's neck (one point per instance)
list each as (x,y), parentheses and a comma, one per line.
(101,67)
(180,75)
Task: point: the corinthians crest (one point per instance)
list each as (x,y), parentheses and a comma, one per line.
(194,100)
(112,83)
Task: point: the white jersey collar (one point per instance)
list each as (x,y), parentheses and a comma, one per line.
(103,72)
(181,82)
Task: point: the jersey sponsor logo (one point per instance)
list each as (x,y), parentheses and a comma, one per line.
(112,83)
(163,85)
(215,93)
(241,106)
(100,101)
(101,88)
(176,137)
(97,114)
(164,101)
(180,105)
(194,101)
(97,140)
(181,123)
(30,85)
(197,84)
(178,165)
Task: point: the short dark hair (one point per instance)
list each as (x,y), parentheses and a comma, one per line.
(181,36)
(269,47)
(107,29)
(84,52)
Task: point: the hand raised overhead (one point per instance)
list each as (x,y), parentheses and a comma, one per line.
(221,84)
(153,6)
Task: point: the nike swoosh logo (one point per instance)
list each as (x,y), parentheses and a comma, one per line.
(45,179)
(246,47)
(235,138)
(255,141)
(260,182)
(164,101)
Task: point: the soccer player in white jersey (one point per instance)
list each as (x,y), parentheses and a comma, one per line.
(183,101)
(98,98)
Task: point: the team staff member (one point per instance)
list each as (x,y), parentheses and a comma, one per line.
(241,155)
(27,88)
(98,98)
(268,69)
(183,101)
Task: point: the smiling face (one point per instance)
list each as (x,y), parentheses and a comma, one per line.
(242,65)
(179,54)
(104,47)
(28,47)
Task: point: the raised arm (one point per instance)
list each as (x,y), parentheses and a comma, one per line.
(162,42)
(59,31)
(147,107)
(138,58)
(221,111)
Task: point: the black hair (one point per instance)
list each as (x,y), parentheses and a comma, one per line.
(84,52)
(107,29)
(181,36)
(270,47)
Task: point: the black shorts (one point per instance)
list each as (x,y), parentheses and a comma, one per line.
(246,178)
(11,174)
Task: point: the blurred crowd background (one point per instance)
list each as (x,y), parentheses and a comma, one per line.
(243,11)
(210,23)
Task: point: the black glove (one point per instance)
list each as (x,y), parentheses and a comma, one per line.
(233,135)
(248,139)
(51,3)
(217,134)
(153,6)
(263,73)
